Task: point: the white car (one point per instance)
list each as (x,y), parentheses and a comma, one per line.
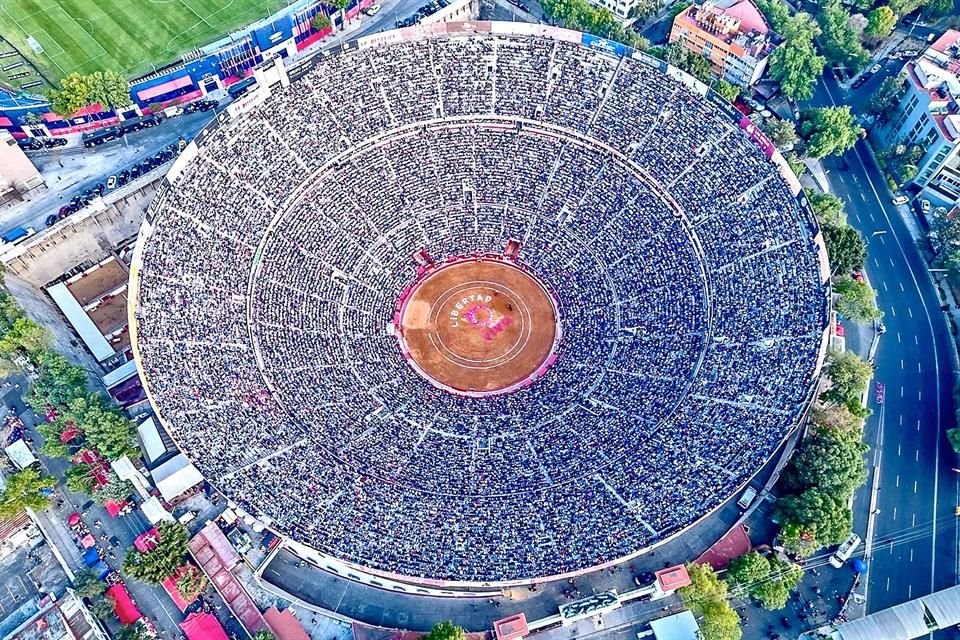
(373,10)
(898,200)
(875,68)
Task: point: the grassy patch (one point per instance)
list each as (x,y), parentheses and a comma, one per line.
(129,36)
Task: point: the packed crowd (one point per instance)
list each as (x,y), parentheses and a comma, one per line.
(690,297)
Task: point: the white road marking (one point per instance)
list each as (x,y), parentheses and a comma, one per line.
(909,312)
(897,483)
(916,458)
(915,491)
(900,283)
(911,555)
(893,312)
(884,285)
(898,338)
(901,364)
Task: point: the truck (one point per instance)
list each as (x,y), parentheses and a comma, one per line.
(173,111)
(17,235)
(844,551)
(747,498)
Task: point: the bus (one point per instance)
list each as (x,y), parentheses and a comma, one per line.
(17,235)
(100,136)
(237,89)
(843,553)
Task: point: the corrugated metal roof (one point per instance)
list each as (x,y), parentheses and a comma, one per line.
(945,606)
(906,621)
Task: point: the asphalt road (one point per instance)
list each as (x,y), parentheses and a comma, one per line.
(915,550)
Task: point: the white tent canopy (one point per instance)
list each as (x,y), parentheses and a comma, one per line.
(20,454)
(908,620)
(175,476)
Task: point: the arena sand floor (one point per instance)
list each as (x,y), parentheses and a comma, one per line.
(131,37)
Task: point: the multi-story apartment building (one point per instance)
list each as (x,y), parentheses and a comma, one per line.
(732,34)
(928,115)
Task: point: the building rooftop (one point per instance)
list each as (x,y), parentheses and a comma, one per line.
(737,22)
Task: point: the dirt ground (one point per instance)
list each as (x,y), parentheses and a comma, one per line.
(479,326)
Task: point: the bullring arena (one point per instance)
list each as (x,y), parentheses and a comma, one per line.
(480,303)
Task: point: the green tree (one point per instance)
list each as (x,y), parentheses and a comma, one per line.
(848,375)
(880,22)
(192,582)
(767,579)
(694,64)
(102,607)
(115,489)
(80,478)
(104,428)
(935,9)
(156,565)
(341,7)
(25,489)
(953,437)
(795,64)
(837,420)
(827,207)
(109,89)
(780,132)
(855,300)
(845,247)
(58,383)
(730,92)
(706,597)
(445,631)
(777,12)
(812,520)
(720,622)
(86,584)
(135,631)
(886,96)
(829,131)
(784,577)
(900,161)
(841,44)
(71,96)
(829,462)
(321,21)
(26,336)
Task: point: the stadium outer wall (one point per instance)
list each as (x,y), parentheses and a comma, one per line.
(269,78)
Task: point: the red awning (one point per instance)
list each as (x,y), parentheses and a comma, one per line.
(166,87)
(170,586)
(5,122)
(73,519)
(126,610)
(147,540)
(113,507)
(203,626)
(88,541)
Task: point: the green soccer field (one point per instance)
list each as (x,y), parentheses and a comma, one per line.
(129,36)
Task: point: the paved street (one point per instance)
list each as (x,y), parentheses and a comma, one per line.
(915,550)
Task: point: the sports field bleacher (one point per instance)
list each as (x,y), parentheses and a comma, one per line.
(129,37)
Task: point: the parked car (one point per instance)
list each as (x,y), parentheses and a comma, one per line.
(65,210)
(876,68)
(52,219)
(900,199)
(30,144)
(859,82)
(112,182)
(372,10)
(925,206)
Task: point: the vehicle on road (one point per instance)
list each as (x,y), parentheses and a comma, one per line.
(747,498)
(112,182)
(859,81)
(17,235)
(52,219)
(843,553)
(30,144)
(900,199)
(50,143)
(876,68)
(173,111)
(925,206)
(106,134)
(237,89)
(372,10)
(200,105)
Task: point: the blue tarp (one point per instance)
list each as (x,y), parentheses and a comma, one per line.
(101,569)
(859,565)
(91,557)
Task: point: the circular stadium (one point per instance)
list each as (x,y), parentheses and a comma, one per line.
(480,303)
